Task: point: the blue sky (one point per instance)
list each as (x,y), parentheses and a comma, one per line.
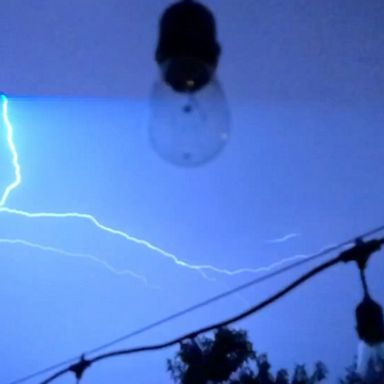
(308,169)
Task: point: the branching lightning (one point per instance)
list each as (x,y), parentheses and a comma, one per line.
(147,244)
(201,268)
(59,251)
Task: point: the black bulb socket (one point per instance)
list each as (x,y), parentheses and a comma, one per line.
(187,50)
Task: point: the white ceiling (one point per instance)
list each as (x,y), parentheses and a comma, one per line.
(273,49)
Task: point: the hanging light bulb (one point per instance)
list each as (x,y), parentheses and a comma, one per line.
(189,123)
(370,328)
(188,129)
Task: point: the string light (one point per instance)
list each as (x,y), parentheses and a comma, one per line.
(359,253)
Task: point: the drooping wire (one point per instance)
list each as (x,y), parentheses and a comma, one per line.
(364,283)
(360,250)
(213,299)
(194,334)
(179,314)
(202,304)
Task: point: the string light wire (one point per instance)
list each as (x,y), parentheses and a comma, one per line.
(202,304)
(356,253)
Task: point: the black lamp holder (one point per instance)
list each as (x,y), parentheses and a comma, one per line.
(187,51)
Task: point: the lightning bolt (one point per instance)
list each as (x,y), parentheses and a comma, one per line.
(60,251)
(147,244)
(124,235)
(201,268)
(12,148)
(283,239)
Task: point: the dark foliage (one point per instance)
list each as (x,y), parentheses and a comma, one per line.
(214,360)
(229,358)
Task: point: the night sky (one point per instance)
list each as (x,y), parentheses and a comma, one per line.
(304,83)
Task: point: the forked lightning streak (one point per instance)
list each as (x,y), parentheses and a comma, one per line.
(201,268)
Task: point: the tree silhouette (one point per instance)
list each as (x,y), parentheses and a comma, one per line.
(205,360)
(229,358)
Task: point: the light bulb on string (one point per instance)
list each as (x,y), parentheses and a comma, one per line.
(189,117)
(189,128)
(370,329)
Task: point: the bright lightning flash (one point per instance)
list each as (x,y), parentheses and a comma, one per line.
(202,269)
(12,148)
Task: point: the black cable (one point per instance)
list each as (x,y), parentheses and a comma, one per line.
(202,304)
(364,283)
(237,289)
(45,370)
(215,298)
(361,251)
(194,334)
(184,312)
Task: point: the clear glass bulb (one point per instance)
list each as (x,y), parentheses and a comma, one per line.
(189,128)
(370,362)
